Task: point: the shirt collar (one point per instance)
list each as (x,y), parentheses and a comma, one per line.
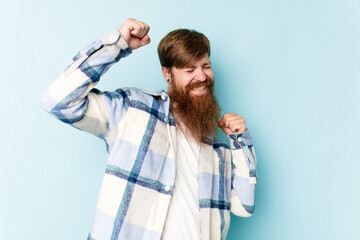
(155,94)
(159,94)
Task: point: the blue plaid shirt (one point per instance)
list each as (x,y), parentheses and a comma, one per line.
(140,135)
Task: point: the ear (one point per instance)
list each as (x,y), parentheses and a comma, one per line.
(166,72)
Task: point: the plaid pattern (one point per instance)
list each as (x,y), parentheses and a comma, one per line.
(140,136)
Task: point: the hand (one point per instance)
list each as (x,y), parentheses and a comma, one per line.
(232,123)
(135,33)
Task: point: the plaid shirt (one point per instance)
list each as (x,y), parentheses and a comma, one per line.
(140,135)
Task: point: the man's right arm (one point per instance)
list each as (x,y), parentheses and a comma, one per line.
(73,99)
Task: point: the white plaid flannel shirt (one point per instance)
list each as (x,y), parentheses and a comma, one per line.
(140,135)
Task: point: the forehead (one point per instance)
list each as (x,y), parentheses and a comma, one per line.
(202,61)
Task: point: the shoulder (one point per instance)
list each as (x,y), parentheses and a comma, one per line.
(138,95)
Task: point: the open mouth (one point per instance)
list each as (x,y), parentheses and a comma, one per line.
(199,88)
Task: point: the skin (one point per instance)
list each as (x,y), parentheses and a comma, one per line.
(196,73)
(136,35)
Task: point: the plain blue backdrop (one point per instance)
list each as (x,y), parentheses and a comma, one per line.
(290,68)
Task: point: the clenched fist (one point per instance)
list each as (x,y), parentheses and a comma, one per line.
(232,123)
(135,33)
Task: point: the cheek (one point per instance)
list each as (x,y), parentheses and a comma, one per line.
(186,82)
(209,73)
(181,84)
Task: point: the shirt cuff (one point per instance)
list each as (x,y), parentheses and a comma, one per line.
(239,140)
(116,44)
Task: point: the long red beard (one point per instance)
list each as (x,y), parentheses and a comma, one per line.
(197,116)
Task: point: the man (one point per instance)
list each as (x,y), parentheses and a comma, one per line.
(168,176)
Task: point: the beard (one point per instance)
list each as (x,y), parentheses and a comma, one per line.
(197,116)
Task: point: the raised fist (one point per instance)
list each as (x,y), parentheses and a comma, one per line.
(135,33)
(232,123)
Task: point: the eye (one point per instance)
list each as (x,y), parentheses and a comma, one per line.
(189,70)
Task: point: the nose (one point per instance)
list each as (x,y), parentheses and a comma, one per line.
(200,75)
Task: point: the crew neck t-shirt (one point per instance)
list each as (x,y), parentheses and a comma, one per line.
(183,218)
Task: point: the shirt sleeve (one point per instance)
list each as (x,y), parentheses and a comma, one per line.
(73,99)
(243,174)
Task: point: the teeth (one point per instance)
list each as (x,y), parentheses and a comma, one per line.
(199,88)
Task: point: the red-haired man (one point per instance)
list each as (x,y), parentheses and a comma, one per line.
(168,175)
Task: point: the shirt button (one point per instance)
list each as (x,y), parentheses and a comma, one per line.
(167,188)
(163,97)
(239,139)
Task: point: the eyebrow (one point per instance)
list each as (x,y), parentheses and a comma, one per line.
(193,67)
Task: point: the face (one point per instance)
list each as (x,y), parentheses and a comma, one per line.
(192,78)
(192,100)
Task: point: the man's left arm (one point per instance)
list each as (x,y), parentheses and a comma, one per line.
(243,167)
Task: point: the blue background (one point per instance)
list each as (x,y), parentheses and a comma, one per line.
(290,68)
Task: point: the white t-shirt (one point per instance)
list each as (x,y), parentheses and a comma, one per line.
(183,218)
